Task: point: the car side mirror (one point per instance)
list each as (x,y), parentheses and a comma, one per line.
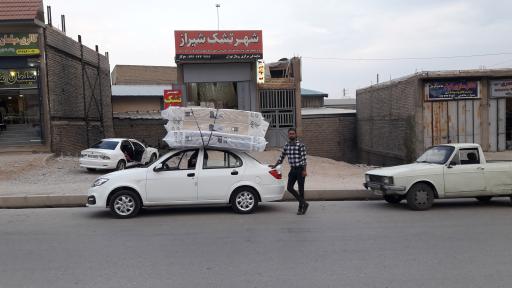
(452,164)
(159,167)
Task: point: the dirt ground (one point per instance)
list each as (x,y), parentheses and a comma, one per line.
(44,174)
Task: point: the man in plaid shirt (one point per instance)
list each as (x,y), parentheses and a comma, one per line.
(296,152)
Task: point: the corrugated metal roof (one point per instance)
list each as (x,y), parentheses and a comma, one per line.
(140,90)
(20,9)
(325,111)
(309,92)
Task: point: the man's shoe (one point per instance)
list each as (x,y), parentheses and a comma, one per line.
(301,208)
(305,208)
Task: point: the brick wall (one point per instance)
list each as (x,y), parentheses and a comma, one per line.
(386,122)
(331,136)
(69,106)
(149,131)
(144,75)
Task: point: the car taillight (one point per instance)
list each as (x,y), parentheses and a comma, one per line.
(276,174)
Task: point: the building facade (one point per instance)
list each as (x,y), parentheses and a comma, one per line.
(398,120)
(54,91)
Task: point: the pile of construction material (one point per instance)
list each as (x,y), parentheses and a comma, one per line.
(218,128)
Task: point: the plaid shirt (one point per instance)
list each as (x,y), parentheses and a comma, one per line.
(296,153)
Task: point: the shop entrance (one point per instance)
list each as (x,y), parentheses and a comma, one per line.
(20,117)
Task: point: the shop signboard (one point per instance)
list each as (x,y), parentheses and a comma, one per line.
(452,90)
(18,79)
(19,44)
(172,98)
(260,72)
(501,88)
(225,46)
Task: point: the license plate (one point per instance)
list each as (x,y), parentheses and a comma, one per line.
(374,186)
(93,156)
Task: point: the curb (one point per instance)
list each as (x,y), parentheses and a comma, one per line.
(42,201)
(57,201)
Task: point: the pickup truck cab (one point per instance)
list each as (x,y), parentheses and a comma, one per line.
(443,171)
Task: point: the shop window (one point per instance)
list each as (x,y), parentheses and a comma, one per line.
(222,95)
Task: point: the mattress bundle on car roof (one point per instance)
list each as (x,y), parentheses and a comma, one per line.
(221,128)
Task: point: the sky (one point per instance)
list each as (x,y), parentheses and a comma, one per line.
(343,44)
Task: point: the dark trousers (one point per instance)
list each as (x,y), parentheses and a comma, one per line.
(295,175)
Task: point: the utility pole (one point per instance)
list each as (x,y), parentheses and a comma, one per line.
(377,78)
(344,92)
(218,6)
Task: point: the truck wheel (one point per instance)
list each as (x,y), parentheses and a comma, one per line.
(484,198)
(420,197)
(393,199)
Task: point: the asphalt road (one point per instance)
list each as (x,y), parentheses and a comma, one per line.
(337,244)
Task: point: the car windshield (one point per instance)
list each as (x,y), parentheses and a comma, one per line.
(107,145)
(436,155)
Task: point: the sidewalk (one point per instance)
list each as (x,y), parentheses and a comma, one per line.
(42,180)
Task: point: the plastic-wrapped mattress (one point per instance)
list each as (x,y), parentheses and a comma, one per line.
(221,128)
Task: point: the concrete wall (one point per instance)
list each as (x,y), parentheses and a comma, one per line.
(133,103)
(72,106)
(331,136)
(389,122)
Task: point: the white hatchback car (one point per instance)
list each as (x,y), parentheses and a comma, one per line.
(117,153)
(186,177)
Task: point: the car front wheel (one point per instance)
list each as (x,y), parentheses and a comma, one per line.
(244,201)
(420,197)
(125,204)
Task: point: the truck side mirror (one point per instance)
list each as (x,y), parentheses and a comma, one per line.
(452,164)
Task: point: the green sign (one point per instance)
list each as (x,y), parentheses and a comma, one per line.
(18,78)
(19,44)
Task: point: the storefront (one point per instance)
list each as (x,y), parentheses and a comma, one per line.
(20,93)
(398,120)
(218,68)
(55,93)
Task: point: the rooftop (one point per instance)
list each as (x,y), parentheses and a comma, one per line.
(140,90)
(309,92)
(326,111)
(21,10)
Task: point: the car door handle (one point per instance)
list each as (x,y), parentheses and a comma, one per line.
(234,172)
(480,168)
(191,174)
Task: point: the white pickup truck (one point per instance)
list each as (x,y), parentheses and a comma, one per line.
(443,171)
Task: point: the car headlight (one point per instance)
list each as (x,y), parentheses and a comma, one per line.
(387,180)
(82,155)
(105,157)
(99,182)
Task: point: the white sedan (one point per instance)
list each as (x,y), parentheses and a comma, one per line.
(117,153)
(186,177)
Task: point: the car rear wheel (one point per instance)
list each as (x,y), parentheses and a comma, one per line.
(244,201)
(484,198)
(125,204)
(420,197)
(393,199)
(121,165)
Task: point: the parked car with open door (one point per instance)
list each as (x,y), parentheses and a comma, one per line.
(117,153)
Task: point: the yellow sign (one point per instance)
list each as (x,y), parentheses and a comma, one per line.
(28,52)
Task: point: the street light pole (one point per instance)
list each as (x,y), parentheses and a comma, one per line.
(218,6)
